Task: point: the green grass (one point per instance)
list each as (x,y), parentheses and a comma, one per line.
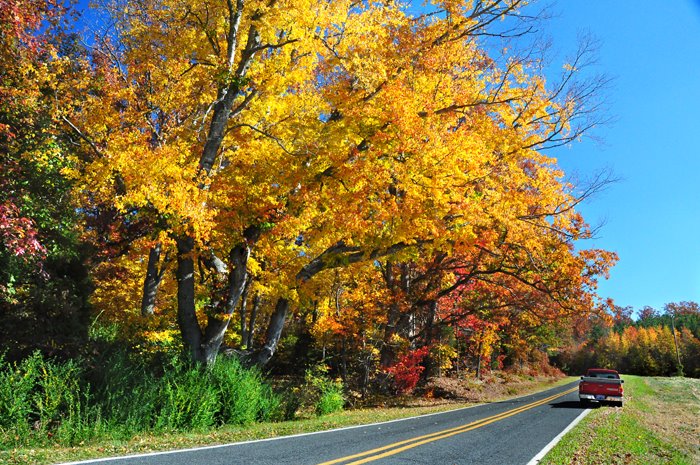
(658,425)
(167,441)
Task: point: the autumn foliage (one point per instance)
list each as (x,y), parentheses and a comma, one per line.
(653,344)
(407,370)
(43,286)
(365,184)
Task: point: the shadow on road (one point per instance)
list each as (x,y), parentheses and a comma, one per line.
(573,404)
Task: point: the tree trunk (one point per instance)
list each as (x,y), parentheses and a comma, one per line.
(387,354)
(243,311)
(218,323)
(154,276)
(481,348)
(204,347)
(430,322)
(186,314)
(274,332)
(251,324)
(432,367)
(344,360)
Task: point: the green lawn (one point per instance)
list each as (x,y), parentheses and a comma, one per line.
(659,424)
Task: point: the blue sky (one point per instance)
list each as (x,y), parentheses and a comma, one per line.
(652,215)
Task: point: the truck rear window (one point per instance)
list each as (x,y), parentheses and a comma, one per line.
(596,374)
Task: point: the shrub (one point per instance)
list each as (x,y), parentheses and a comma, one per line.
(40,399)
(272,407)
(127,394)
(293,401)
(187,400)
(244,396)
(58,392)
(318,393)
(406,372)
(332,398)
(120,396)
(82,422)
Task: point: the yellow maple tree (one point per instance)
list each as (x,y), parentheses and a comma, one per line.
(281,139)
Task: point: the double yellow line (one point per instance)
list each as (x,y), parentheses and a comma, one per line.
(397,447)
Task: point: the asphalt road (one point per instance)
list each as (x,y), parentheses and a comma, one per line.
(499,433)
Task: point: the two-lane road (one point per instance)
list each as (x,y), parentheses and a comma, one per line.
(508,432)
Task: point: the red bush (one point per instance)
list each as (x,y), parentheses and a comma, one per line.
(406,372)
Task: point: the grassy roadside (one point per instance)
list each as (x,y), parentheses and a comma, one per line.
(658,425)
(228,434)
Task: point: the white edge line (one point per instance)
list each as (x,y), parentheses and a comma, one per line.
(537,458)
(277,438)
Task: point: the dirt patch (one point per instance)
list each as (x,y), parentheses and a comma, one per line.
(492,387)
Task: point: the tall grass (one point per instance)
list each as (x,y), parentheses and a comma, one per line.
(244,397)
(42,401)
(332,398)
(16,410)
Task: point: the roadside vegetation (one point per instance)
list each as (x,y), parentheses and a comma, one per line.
(40,447)
(658,424)
(118,397)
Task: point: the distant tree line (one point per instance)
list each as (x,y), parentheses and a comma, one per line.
(652,344)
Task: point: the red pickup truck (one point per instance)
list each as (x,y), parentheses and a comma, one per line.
(601,385)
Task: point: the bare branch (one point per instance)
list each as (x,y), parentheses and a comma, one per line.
(80,134)
(268,135)
(234,18)
(340,254)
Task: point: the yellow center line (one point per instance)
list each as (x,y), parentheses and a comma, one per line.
(427,438)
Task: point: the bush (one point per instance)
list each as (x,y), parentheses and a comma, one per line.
(82,422)
(244,396)
(318,393)
(39,399)
(292,403)
(16,386)
(406,372)
(58,392)
(272,407)
(126,394)
(120,396)
(187,400)
(332,398)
